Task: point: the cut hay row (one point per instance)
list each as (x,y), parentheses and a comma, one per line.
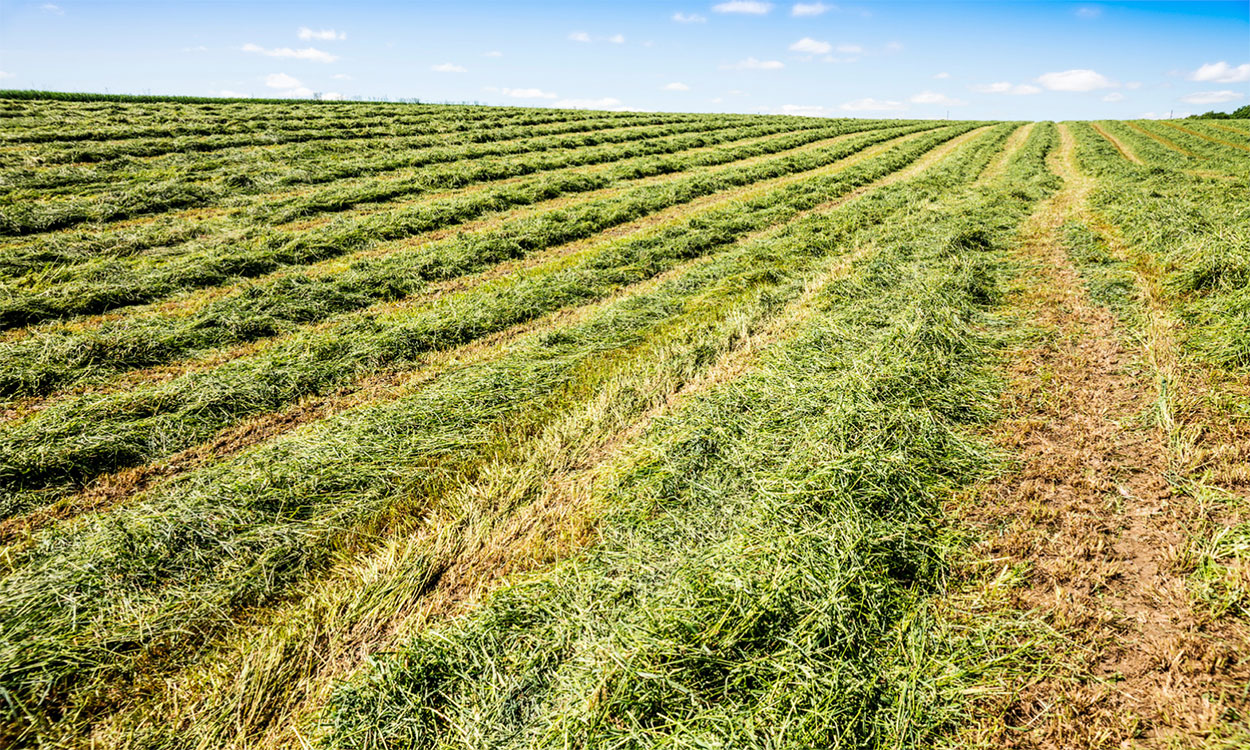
(58,357)
(116,430)
(442,427)
(250,195)
(756,554)
(242,247)
(458,410)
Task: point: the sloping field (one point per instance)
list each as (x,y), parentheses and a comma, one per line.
(353,425)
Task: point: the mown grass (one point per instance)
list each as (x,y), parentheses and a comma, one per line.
(38,363)
(170,237)
(175,565)
(96,285)
(295,657)
(75,441)
(436,168)
(758,565)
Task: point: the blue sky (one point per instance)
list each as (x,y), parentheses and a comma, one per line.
(1011,60)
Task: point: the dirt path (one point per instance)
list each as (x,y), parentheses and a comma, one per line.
(1091,512)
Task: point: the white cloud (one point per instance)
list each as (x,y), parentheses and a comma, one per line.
(850,49)
(199,48)
(448,68)
(341,77)
(689,18)
(1211,97)
(287,86)
(810,9)
(308,53)
(50,8)
(606,102)
(676,86)
(1222,72)
(811,46)
(933,97)
(943,75)
(228,94)
(493,53)
(1088,12)
(1114,96)
(579,36)
(528,93)
(873,105)
(1080,79)
(753,64)
(323,35)
(281,81)
(5,74)
(617,39)
(750,7)
(894,47)
(805,110)
(1003,87)
(332,96)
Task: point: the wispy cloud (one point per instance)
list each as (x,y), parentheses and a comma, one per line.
(1221,72)
(288,86)
(322,35)
(1089,12)
(607,102)
(689,18)
(753,64)
(870,104)
(341,77)
(750,7)
(676,86)
(448,68)
(5,74)
(1078,79)
(933,97)
(1114,96)
(585,38)
(1212,97)
(942,76)
(1003,87)
(850,49)
(493,53)
(810,9)
(308,53)
(811,46)
(805,110)
(528,94)
(53,9)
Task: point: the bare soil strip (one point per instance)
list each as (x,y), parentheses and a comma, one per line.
(1090,510)
(1119,145)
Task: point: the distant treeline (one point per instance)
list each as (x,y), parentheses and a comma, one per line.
(1241,113)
